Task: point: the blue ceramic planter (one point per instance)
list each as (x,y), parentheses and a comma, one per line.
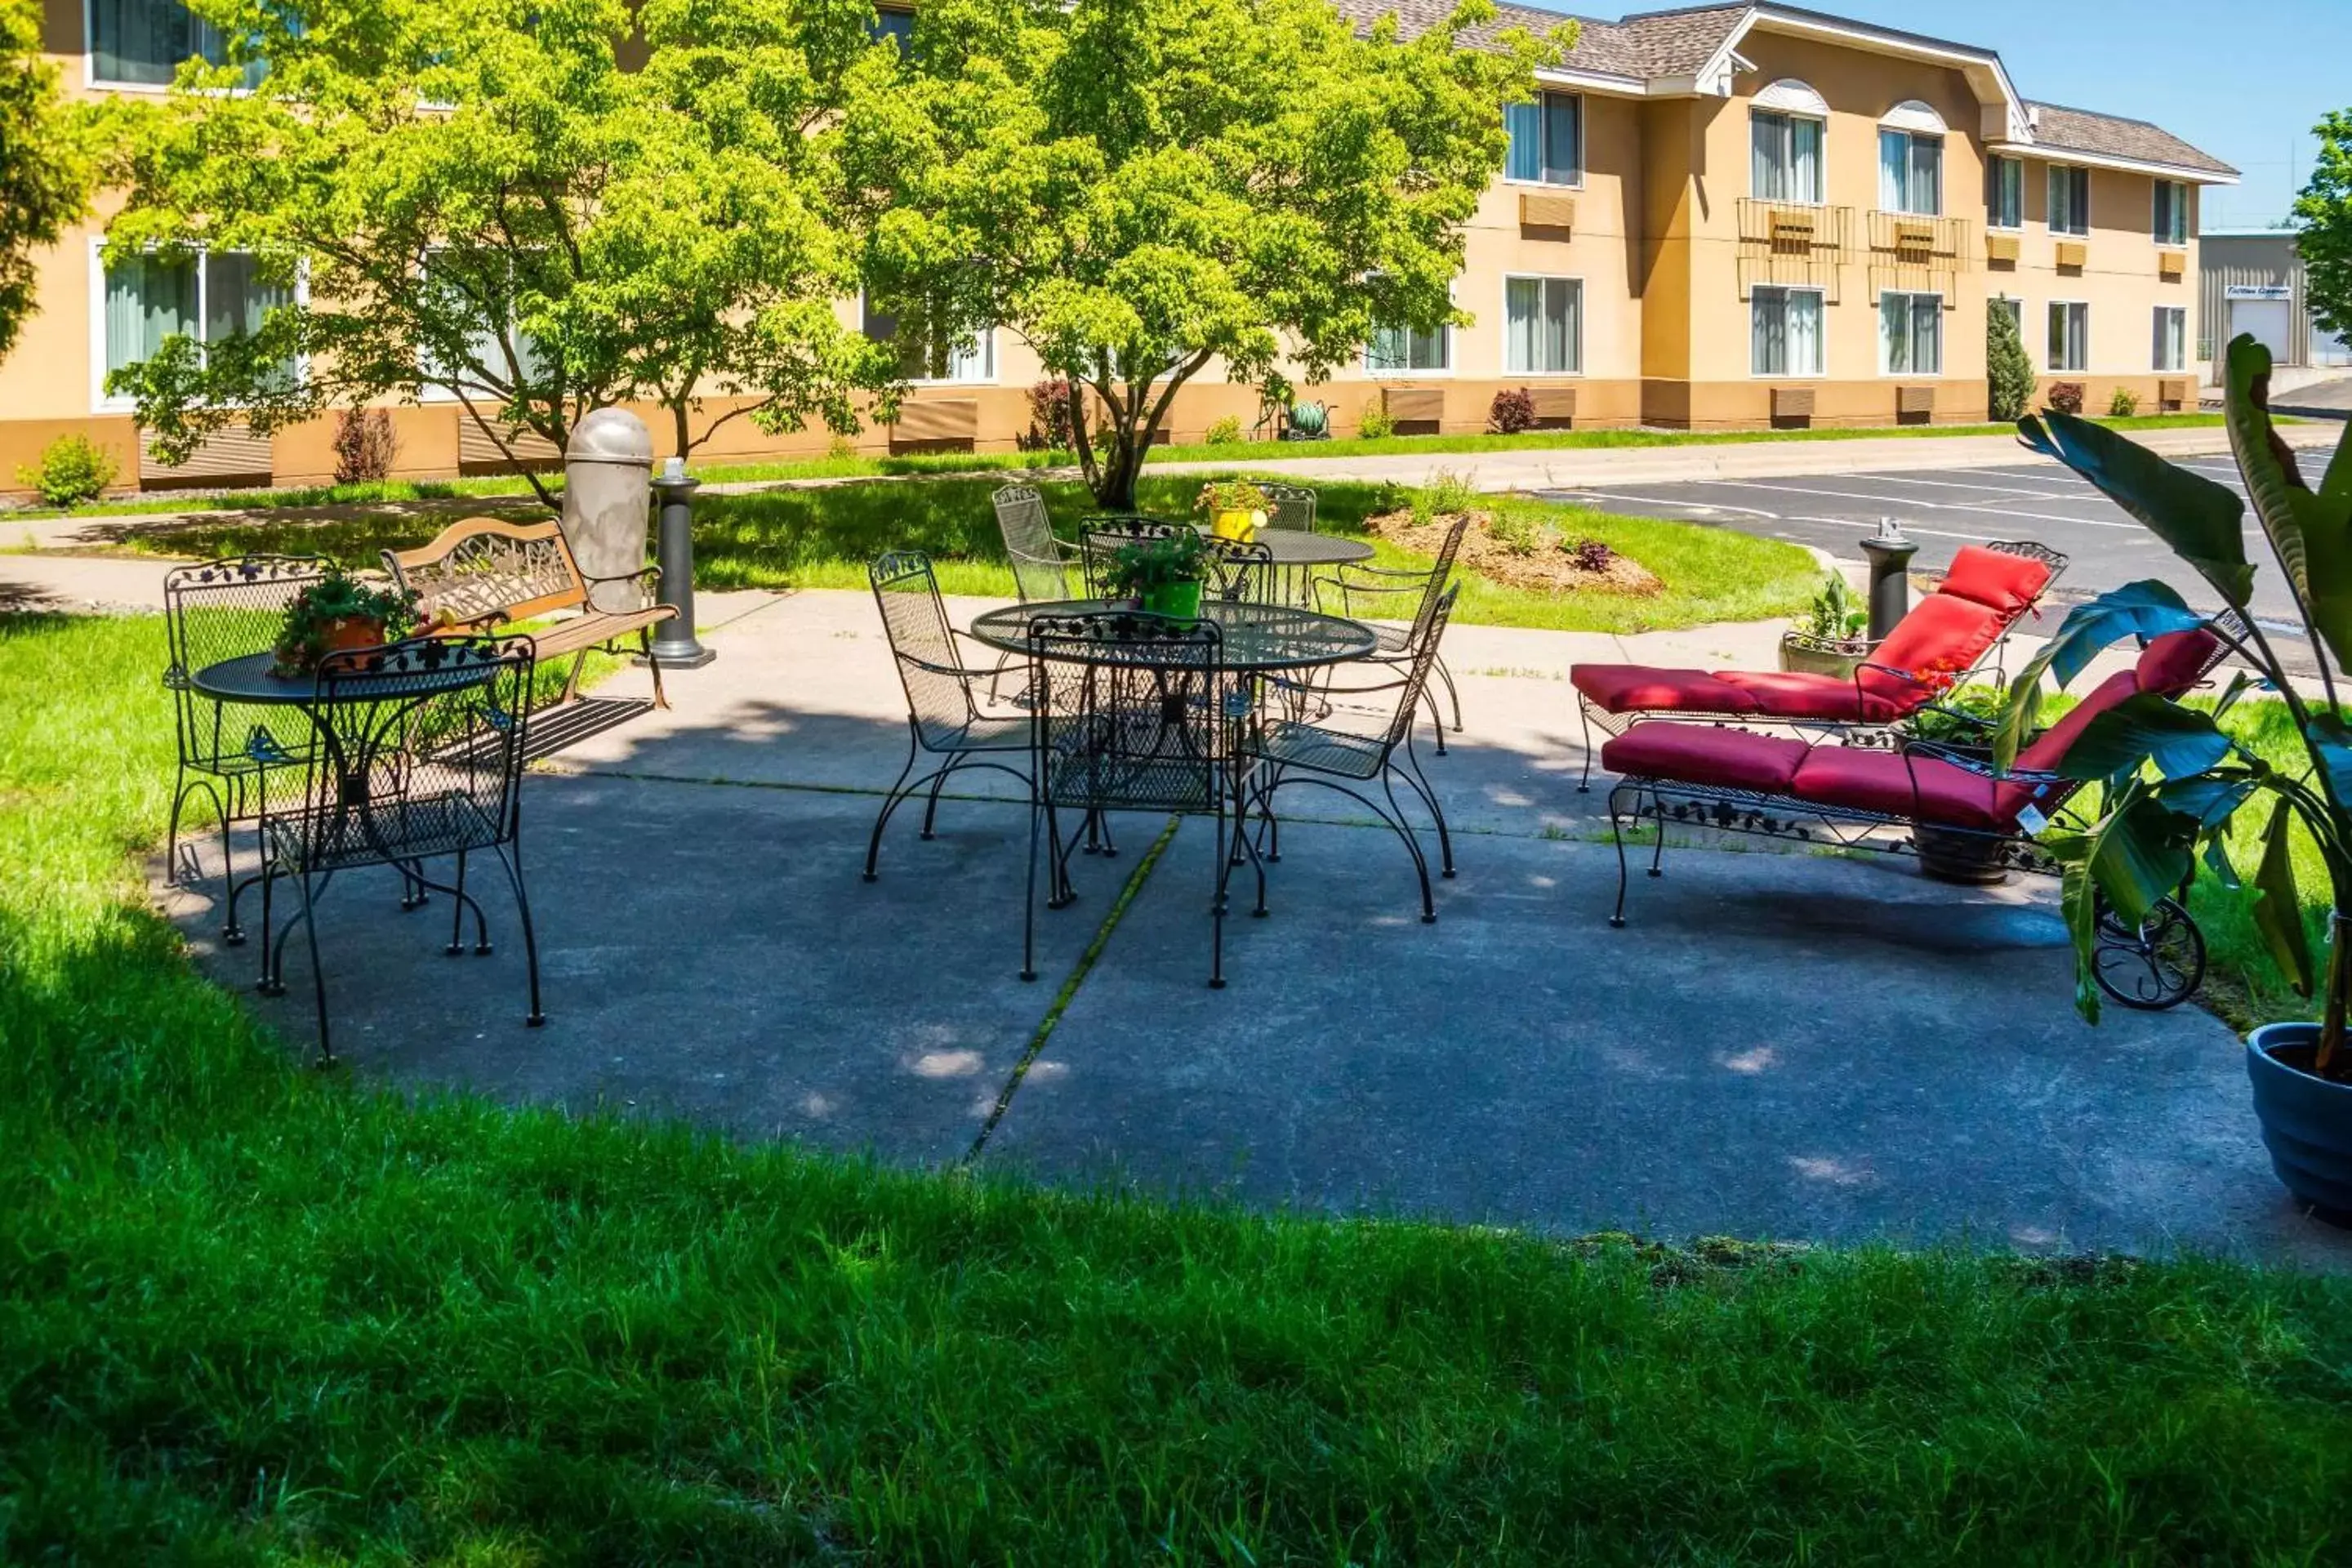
(2306,1121)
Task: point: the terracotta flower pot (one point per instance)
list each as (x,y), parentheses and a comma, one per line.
(347,632)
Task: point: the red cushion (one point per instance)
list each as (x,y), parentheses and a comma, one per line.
(1785,694)
(1644,688)
(2175,661)
(2000,582)
(1869,780)
(1704,754)
(1942,632)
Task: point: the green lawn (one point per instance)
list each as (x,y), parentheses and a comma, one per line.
(855,466)
(823,537)
(254,1313)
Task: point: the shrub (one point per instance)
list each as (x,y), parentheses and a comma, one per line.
(365,446)
(1049,417)
(1450,494)
(1225,431)
(2124,403)
(1511,412)
(74,468)
(2008,368)
(841,448)
(1590,555)
(2067,396)
(1375,425)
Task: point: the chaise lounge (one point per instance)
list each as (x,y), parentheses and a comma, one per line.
(1742,781)
(1948,634)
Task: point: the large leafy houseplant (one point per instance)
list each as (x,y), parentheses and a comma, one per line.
(2174,780)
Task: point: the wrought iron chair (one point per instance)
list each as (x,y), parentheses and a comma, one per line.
(1290,506)
(220,610)
(1041,562)
(945,716)
(1288,751)
(1242,573)
(1358,590)
(420,755)
(1133,714)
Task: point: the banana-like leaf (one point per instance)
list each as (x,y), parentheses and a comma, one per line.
(2145,609)
(2330,742)
(2212,799)
(2278,906)
(2240,684)
(2146,728)
(2215,856)
(2204,522)
(2078,900)
(2140,852)
(2312,533)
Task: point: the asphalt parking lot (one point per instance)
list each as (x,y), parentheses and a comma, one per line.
(1943,509)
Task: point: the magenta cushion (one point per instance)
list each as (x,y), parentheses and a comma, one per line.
(1704,754)
(1645,688)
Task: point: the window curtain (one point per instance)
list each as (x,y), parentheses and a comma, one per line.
(1805,160)
(1894,333)
(1926,175)
(1564,313)
(1894,170)
(2070,335)
(2004,198)
(2171,338)
(1522,324)
(148,300)
(1543,326)
(141,41)
(1803,332)
(235,298)
(1525,123)
(1767,349)
(1563,152)
(1927,335)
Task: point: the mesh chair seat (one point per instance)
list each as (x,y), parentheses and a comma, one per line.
(976,735)
(1287,743)
(333,836)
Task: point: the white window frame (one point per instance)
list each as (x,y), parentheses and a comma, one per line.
(1575,347)
(91,79)
(1820,372)
(2181,189)
(2055,341)
(435,392)
(1911,140)
(1445,336)
(100,402)
(2081,225)
(1575,183)
(1821,160)
(1993,163)
(1915,296)
(2157,340)
(985,343)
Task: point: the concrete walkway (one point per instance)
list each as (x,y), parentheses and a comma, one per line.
(1779,1045)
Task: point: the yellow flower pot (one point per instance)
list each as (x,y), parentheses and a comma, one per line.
(1241,527)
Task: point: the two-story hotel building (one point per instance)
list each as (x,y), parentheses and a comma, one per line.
(1714,218)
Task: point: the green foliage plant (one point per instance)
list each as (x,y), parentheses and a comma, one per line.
(2009,369)
(1143,567)
(1835,614)
(1225,432)
(2124,403)
(1230,495)
(1375,423)
(307,633)
(1450,493)
(2174,780)
(2322,219)
(45,164)
(1140,189)
(536,210)
(73,469)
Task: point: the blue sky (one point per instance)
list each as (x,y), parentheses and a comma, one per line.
(2245,79)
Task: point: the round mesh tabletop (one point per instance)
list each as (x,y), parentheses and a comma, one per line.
(1255,636)
(247,680)
(1294,547)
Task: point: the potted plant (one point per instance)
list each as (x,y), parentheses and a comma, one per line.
(335,612)
(1235,508)
(1161,574)
(1829,640)
(1960,721)
(2176,780)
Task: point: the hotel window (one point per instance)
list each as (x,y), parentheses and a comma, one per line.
(485,346)
(2172,212)
(211,299)
(892,23)
(2172,337)
(143,42)
(920,358)
(2070,335)
(1785,332)
(1547,140)
(1786,157)
(1911,161)
(1543,331)
(2070,200)
(2004,192)
(1401,350)
(1911,333)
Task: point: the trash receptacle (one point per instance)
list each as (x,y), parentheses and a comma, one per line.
(608,502)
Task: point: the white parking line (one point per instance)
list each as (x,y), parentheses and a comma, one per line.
(1686,505)
(1922,532)
(1932,505)
(1949,485)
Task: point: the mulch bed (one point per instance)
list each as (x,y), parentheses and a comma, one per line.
(1540,558)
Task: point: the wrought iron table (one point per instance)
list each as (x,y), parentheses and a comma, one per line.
(248,680)
(1259,640)
(1295,554)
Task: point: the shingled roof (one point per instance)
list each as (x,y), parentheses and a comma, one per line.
(2063,129)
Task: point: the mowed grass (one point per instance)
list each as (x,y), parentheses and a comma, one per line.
(255,1313)
(859,465)
(824,536)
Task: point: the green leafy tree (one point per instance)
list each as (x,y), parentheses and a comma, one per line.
(2009,369)
(1142,188)
(45,170)
(2323,212)
(539,207)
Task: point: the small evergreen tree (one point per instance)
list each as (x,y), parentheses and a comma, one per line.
(2009,369)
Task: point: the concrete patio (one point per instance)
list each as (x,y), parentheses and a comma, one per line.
(1784,1045)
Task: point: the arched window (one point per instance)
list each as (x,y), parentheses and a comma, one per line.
(1785,128)
(1911,160)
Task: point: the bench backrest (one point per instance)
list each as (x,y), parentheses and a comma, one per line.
(485,572)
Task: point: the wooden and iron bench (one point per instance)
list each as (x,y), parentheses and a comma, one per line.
(482,574)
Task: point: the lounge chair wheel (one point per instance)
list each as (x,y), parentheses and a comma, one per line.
(2158,966)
